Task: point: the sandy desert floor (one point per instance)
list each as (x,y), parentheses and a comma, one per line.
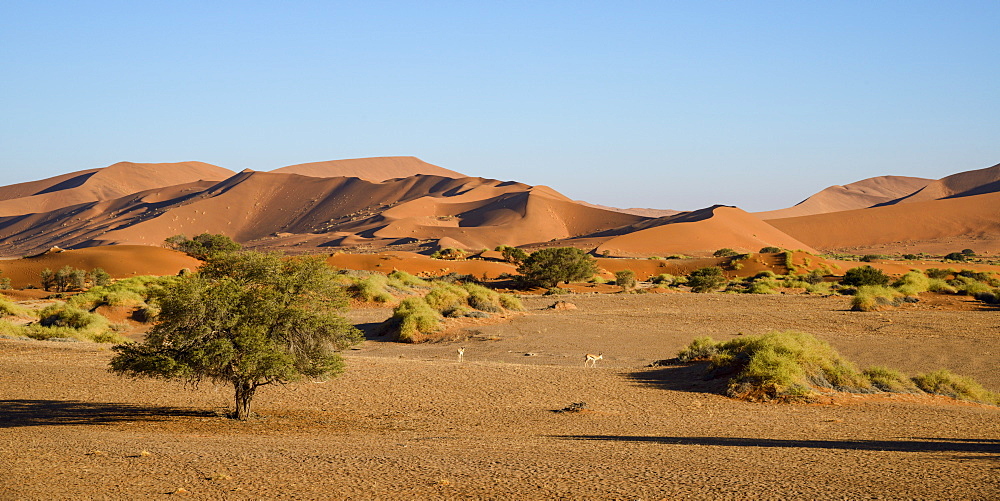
(410,421)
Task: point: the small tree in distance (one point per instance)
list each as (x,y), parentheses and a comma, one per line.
(548,267)
(865,275)
(247,319)
(202,246)
(625,279)
(706,279)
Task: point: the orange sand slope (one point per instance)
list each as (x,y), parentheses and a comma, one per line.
(972,218)
(852,196)
(963,184)
(291,211)
(701,233)
(92,185)
(120,261)
(371,169)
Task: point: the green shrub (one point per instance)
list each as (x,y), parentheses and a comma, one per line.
(512,254)
(706,279)
(940,285)
(9,308)
(449,253)
(938,273)
(625,279)
(888,380)
(824,288)
(371,288)
(511,302)
(663,279)
(482,298)
(770,250)
(415,317)
(402,279)
(912,283)
(725,252)
(874,298)
(702,348)
(943,382)
(445,297)
(763,286)
(783,365)
(865,275)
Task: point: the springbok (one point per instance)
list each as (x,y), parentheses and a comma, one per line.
(592,359)
(461,354)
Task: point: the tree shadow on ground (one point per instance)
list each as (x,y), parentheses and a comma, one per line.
(681,377)
(18,413)
(376,331)
(978,446)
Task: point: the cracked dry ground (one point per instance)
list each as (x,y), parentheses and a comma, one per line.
(411,421)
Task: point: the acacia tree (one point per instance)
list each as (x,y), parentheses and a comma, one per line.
(548,267)
(248,319)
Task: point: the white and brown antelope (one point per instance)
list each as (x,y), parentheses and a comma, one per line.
(591,359)
(461,354)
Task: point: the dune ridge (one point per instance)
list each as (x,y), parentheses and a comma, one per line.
(859,195)
(120,179)
(371,169)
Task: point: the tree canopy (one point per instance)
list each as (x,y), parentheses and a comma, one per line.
(548,267)
(202,246)
(248,319)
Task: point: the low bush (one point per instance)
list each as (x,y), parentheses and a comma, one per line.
(889,380)
(9,308)
(483,299)
(912,283)
(725,252)
(663,279)
(938,273)
(940,285)
(415,318)
(403,279)
(874,298)
(770,250)
(511,302)
(625,279)
(943,382)
(702,348)
(789,365)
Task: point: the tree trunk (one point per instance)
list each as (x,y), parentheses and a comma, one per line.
(244,394)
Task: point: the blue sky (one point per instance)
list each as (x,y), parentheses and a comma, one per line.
(634,104)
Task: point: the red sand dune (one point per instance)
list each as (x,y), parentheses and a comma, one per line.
(902,225)
(120,179)
(120,261)
(371,169)
(852,196)
(270,210)
(702,234)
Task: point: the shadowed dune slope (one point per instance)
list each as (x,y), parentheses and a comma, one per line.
(371,169)
(273,210)
(702,232)
(120,261)
(111,182)
(975,216)
(963,184)
(852,196)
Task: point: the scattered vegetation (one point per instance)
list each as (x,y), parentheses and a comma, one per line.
(788,366)
(416,318)
(449,253)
